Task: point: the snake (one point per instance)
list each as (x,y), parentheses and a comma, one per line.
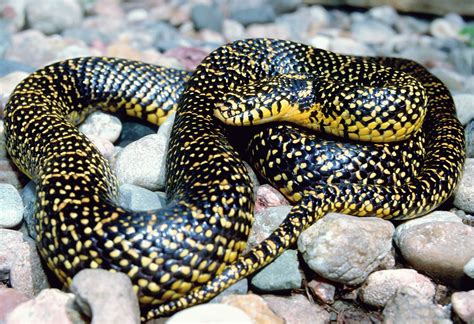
(365,136)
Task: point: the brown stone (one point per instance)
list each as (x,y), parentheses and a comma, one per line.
(255,307)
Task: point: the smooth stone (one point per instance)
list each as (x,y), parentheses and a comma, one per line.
(232,30)
(241,287)
(469,133)
(281,274)
(255,307)
(463,305)
(137,15)
(53,16)
(440,249)
(446,28)
(94,293)
(74,51)
(349,46)
(382,285)
(267,196)
(9,299)
(11,206)
(13,14)
(464,193)
(105,147)
(50,306)
(385,14)
(297,309)
(323,290)
(28,196)
(253,15)
(10,81)
(188,57)
(207,17)
(436,216)
(5,38)
(462,58)
(10,66)
(269,30)
(210,313)
(455,83)
(408,306)
(423,54)
(469,268)
(284,6)
(411,25)
(265,223)
(135,198)
(102,125)
(133,131)
(363,31)
(464,107)
(344,248)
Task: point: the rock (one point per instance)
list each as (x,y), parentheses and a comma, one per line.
(28,196)
(436,216)
(455,83)
(265,223)
(255,307)
(349,46)
(241,287)
(464,194)
(411,25)
(267,196)
(105,147)
(344,248)
(464,107)
(9,299)
(102,125)
(283,6)
(132,131)
(188,57)
(425,55)
(297,309)
(5,37)
(320,41)
(92,288)
(232,30)
(382,285)
(323,290)
(440,249)
(461,57)
(469,133)
(469,268)
(281,274)
(53,16)
(446,28)
(210,313)
(137,15)
(9,66)
(407,306)
(13,12)
(253,15)
(50,306)
(269,30)
(138,199)
(304,22)
(463,305)
(10,81)
(363,31)
(207,17)
(74,51)
(11,206)
(385,14)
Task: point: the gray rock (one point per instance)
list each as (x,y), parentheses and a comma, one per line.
(28,196)
(440,249)
(344,248)
(102,125)
(283,6)
(53,16)
(469,268)
(424,54)
(232,30)
(265,223)
(436,216)
(385,14)
(138,199)
(241,287)
(463,59)
(253,15)
(464,107)
(464,194)
(5,38)
(363,31)
(297,309)
(50,306)
(281,274)
(13,13)
(9,66)
(207,17)
(255,307)
(408,306)
(454,82)
(463,305)
(382,285)
(349,46)
(324,291)
(447,27)
(11,206)
(469,133)
(210,313)
(412,25)
(92,288)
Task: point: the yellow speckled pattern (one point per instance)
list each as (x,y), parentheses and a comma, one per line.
(398,153)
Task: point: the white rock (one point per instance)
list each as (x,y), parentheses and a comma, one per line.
(53,16)
(344,248)
(453,80)
(11,206)
(320,41)
(232,30)
(137,15)
(469,268)
(385,14)
(464,194)
(382,285)
(104,146)
(102,125)
(463,305)
(210,313)
(138,199)
(349,46)
(447,27)
(10,81)
(363,31)
(464,107)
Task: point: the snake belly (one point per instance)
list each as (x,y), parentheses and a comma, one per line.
(191,249)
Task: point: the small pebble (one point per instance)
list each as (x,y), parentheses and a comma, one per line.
(210,313)
(267,196)
(469,268)
(464,107)
(464,194)
(135,198)
(132,131)
(253,15)
(255,307)
(105,147)
(469,132)
(9,299)
(241,287)
(28,196)
(323,290)
(102,125)
(297,309)
(53,16)
(463,305)
(385,14)
(207,17)
(363,31)
(11,206)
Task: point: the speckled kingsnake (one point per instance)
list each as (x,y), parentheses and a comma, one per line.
(177,251)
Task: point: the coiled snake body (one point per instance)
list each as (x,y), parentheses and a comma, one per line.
(382,163)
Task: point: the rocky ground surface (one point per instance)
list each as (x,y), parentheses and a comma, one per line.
(343,269)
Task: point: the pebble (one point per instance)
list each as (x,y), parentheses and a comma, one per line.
(424,55)
(232,30)
(462,59)
(267,196)
(92,288)
(344,248)
(133,131)
(469,268)
(385,14)
(269,30)
(53,16)
(265,223)
(345,45)
(188,57)
(50,306)
(464,194)
(469,132)
(455,83)
(241,287)
(284,6)
(207,17)
(446,28)
(380,286)
(102,125)
(9,66)
(255,307)
(297,309)
(463,305)
(464,107)
(436,216)
(440,249)
(9,299)
(281,274)
(408,306)
(323,290)
(10,81)
(105,147)
(13,14)
(11,206)
(253,15)
(138,199)
(363,31)
(28,196)
(210,313)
